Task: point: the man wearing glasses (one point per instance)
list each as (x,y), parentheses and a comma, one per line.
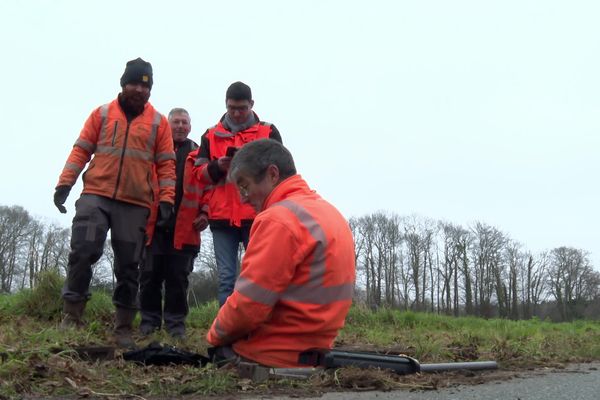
(297,278)
(228,218)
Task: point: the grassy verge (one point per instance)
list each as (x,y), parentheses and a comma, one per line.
(437,338)
(38,359)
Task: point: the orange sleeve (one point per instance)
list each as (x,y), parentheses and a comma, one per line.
(267,270)
(82,151)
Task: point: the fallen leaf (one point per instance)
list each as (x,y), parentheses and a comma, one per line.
(71,382)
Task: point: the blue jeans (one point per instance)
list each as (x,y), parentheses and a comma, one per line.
(226,242)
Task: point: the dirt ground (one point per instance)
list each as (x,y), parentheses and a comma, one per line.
(83,377)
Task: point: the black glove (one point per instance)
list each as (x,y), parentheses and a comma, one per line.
(165,212)
(60,196)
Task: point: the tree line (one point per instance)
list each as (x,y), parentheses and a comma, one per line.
(407,262)
(420,264)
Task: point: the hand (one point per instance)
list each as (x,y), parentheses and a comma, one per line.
(165,212)
(223,163)
(60,196)
(201,222)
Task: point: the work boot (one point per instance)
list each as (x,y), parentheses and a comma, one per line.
(73,312)
(147,330)
(123,327)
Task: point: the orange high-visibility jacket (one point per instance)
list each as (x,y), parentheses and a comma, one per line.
(124,156)
(224,200)
(189,208)
(296,283)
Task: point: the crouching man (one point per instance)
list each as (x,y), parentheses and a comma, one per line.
(297,276)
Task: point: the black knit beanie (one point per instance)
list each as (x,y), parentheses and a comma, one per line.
(137,71)
(238,91)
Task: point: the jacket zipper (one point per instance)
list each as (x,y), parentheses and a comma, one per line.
(121,161)
(115,133)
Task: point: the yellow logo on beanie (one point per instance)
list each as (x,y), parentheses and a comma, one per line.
(144,78)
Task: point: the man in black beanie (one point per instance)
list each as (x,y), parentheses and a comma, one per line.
(228,218)
(128,139)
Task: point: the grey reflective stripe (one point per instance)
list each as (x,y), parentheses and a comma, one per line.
(317,268)
(188,203)
(84,144)
(200,161)
(256,292)
(73,167)
(103,115)
(192,189)
(153,133)
(112,151)
(265,123)
(164,156)
(166,182)
(224,134)
(144,155)
(313,292)
(221,333)
(132,153)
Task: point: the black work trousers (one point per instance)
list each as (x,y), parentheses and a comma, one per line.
(173,271)
(94,216)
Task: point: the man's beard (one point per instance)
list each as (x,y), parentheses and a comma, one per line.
(135,102)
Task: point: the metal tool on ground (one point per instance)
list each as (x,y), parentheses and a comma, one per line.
(400,364)
(259,373)
(321,359)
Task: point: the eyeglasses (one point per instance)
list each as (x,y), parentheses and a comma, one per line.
(238,108)
(243,191)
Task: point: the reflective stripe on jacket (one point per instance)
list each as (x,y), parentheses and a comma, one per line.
(224,200)
(189,208)
(125,154)
(296,283)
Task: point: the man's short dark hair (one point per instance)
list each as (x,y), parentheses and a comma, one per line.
(238,91)
(255,157)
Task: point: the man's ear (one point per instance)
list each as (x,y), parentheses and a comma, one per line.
(273,174)
(251,104)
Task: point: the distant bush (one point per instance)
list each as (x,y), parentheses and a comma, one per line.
(43,301)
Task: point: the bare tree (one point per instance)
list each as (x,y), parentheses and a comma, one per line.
(572,281)
(487,246)
(55,250)
(449,267)
(15,225)
(204,280)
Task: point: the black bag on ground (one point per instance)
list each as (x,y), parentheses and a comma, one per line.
(157,354)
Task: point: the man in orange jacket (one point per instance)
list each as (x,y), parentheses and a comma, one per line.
(229,220)
(297,279)
(172,248)
(128,139)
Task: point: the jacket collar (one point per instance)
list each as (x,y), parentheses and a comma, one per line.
(223,131)
(288,187)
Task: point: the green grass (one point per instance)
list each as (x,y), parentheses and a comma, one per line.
(38,359)
(435,338)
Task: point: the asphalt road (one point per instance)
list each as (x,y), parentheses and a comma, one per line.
(578,381)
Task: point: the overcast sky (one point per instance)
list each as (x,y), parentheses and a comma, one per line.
(462,111)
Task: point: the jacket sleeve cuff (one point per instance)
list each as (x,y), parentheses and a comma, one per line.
(213,339)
